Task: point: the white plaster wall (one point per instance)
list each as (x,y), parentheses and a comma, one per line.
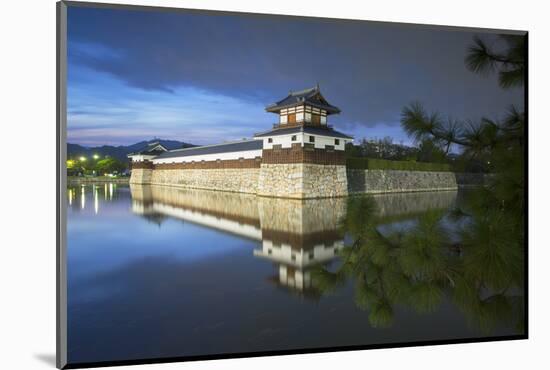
(321,141)
(233,227)
(141,157)
(211,157)
(284,140)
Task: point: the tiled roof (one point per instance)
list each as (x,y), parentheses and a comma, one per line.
(310,97)
(306,129)
(150,149)
(236,146)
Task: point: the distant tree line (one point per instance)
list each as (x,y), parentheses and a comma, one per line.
(95,166)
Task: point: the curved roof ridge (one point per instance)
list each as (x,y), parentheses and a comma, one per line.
(305,91)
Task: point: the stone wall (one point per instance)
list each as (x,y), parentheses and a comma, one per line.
(141,176)
(302,180)
(390,181)
(240,180)
(325,180)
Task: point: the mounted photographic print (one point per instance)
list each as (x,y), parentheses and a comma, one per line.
(235,184)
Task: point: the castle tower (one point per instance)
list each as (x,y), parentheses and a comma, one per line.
(302,156)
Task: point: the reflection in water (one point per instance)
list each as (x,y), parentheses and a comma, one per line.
(378,269)
(296,235)
(82,198)
(96,199)
(93,193)
(422,264)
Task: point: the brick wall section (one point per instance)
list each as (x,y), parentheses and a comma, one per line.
(211,165)
(306,154)
(145,165)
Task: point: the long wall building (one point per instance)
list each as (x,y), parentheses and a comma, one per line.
(301,157)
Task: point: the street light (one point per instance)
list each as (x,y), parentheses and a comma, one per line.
(96,156)
(83,159)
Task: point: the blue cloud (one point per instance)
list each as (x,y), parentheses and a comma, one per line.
(205,78)
(104,110)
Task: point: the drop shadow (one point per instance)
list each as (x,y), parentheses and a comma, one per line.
(47,358)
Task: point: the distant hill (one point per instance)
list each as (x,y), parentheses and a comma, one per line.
(120,152)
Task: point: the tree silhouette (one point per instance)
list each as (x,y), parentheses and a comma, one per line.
(418,267)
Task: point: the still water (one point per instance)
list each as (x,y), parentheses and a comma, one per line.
(161,272)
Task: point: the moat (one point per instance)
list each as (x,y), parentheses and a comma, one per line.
(164,272)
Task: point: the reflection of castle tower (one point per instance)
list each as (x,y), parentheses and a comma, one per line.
(297,235)
(294,234)
(294,260)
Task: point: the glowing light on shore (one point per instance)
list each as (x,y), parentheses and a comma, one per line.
(111,191)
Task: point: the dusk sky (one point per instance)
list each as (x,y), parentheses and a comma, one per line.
(206,78)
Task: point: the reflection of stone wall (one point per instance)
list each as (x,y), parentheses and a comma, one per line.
(389,181)
(298,223)
(222,204)
(285,215)
(242,180)
(471,179)
(389,205)
(301,216)
(141,176)
(302,180)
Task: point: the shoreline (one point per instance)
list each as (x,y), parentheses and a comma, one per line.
(75,180)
